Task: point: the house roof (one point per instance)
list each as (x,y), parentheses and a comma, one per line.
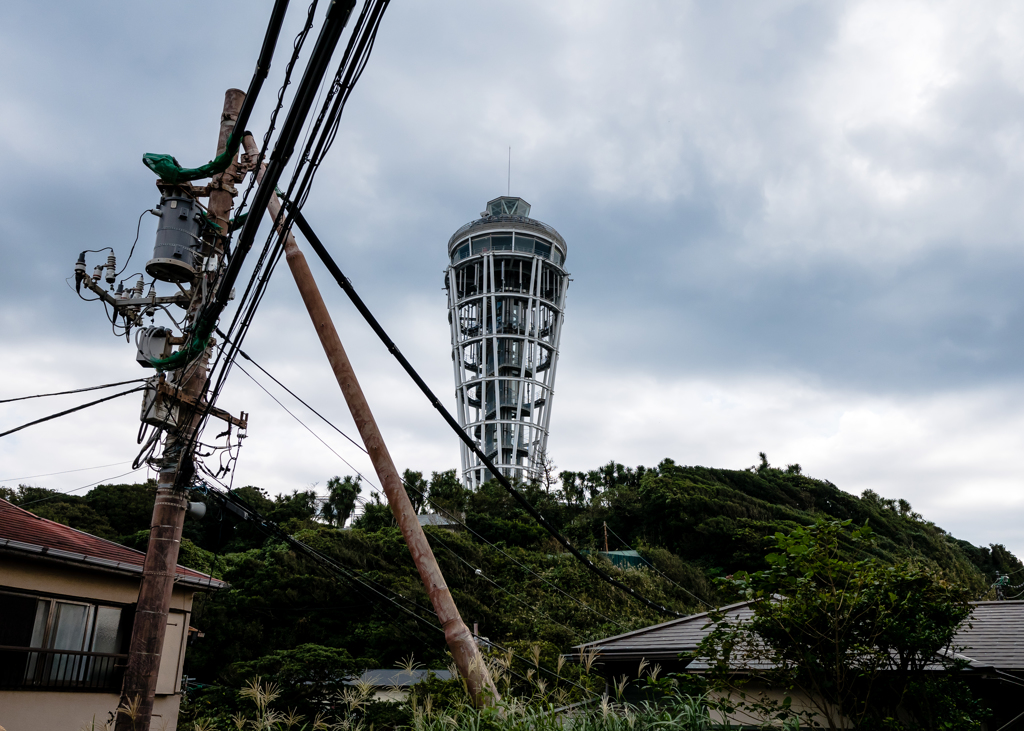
(662,641)
(398,678)
(992,638)
(26,534)
(996,635)
(436,519)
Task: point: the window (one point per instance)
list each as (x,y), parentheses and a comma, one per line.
(481,244)
(543,250)
(67,643)
(501,243)
(524,243)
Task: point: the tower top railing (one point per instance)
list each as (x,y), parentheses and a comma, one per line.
(523,221)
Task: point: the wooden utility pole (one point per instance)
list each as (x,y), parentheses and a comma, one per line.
(606,536)
(138,690)
(460,641)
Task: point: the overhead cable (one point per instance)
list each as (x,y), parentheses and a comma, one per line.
(74,390)
(656,569)
(64,472)
(71,411)
(105,480)
(407,485)
(346,285)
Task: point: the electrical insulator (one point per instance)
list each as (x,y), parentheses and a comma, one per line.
(178,240)
(119,294)
(97,273)
(111,268)
(152,290)
(139,286)
(79,272)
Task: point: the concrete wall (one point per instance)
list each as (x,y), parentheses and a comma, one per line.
(759,692)
(76,581)
(43,710)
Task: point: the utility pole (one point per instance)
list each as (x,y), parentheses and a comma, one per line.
(606,536)
(138,690)
(460,641)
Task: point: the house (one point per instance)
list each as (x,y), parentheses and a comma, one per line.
(991,642)
(441,520)
(394,684)
(66,613)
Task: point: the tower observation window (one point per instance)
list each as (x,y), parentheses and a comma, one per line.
(481,244)
(508,242)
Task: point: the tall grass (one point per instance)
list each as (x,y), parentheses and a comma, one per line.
(678,713)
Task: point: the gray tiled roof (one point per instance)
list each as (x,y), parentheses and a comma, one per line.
(995,637)
(436,519)
(396,677)
(665,640)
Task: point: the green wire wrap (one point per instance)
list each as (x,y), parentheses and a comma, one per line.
(171,172)
(194,348)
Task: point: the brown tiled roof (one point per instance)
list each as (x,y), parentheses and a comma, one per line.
(27,534)
(992,638)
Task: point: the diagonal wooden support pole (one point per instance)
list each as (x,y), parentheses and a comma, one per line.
(460,641)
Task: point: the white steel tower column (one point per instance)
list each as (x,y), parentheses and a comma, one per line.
(506,298)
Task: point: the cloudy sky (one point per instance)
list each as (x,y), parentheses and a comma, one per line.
(793,227)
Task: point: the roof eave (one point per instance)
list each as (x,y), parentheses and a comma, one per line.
(56,555)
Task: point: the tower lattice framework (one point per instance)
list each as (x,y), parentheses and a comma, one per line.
(506,299)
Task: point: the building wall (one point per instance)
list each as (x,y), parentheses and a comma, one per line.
(33,710)
(71,580)
(754,692)
(46,710)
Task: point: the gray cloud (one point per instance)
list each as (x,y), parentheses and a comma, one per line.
(814,201)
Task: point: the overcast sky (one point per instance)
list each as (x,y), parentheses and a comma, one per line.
(793,227)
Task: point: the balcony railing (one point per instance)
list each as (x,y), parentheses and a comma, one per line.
(26,668)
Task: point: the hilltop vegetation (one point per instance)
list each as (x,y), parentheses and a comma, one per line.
(507,574)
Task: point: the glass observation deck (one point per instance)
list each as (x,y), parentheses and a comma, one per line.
(508,206)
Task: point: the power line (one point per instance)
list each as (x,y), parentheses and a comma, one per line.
(288,411)
(65,472)
(479,572)
(55,495)
(346,286)
(75,390)
(699,600)
(408,486)
(273,529)
(71,411)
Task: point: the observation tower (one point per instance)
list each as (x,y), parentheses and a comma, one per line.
(506,298)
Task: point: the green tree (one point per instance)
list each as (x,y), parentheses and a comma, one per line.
(341,500)
(128,508)
(854,637)
(376,516)
(416,488)
(447,493)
